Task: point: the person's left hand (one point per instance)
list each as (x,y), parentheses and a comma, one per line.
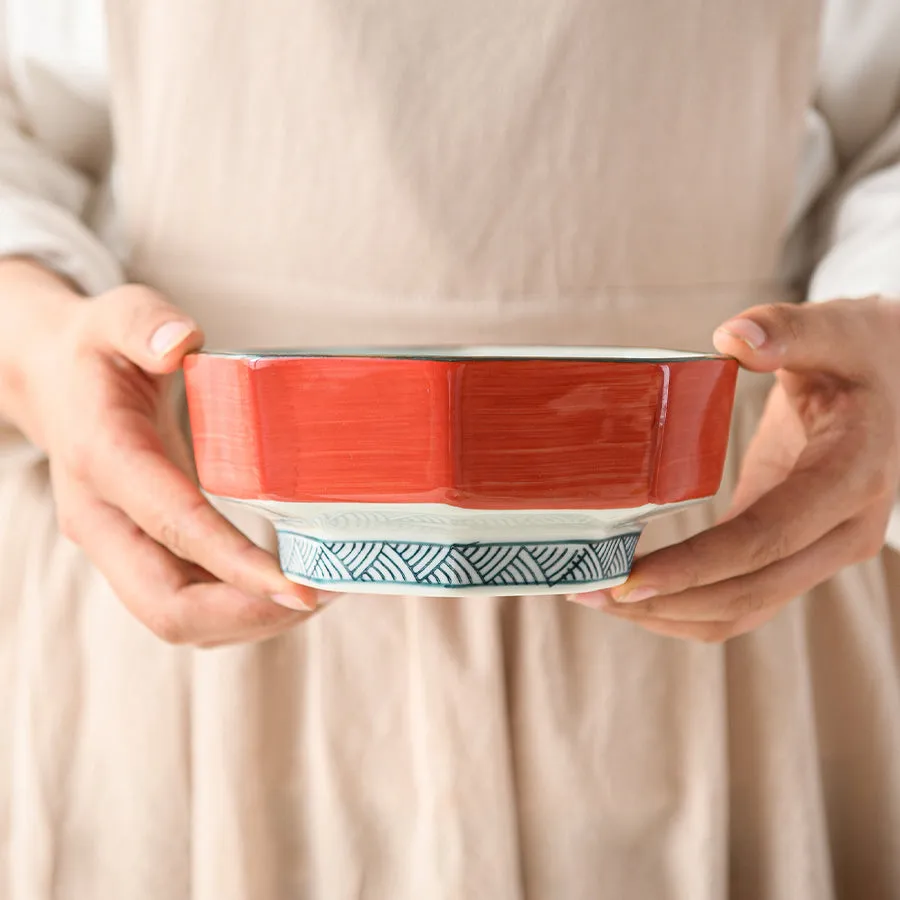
(818,481)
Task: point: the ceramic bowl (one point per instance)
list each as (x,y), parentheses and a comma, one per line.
(441,472)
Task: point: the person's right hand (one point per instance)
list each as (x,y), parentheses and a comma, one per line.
(95,399)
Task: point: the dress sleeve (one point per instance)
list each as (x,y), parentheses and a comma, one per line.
(862,235)
(44,200)
(859,99)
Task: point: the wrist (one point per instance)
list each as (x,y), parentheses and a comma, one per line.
(36,306)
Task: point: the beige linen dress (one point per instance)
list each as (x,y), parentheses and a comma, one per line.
(566,171)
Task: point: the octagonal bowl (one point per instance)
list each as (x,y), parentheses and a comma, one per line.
(440,472)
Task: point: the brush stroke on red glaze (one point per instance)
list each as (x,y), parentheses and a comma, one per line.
(470,433)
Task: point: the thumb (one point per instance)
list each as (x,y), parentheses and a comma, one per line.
(141,325)
(815,337)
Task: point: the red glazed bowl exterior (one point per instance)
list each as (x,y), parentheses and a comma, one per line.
(469,432)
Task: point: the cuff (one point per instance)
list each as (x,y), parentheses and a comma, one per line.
(32,227)
(864,258)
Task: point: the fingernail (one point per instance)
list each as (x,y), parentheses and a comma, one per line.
(745,330)
(304,603)
(169,336)
(635,595)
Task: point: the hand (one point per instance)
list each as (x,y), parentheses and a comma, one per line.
(94,397)
(817,485)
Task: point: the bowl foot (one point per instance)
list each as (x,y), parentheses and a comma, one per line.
(445,569)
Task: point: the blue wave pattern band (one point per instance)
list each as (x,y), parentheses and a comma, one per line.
(410,564)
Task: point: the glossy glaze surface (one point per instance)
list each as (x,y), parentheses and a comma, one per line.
(475,432)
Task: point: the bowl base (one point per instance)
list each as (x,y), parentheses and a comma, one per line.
(436,569)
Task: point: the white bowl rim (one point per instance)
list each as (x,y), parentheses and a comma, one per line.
(511,353)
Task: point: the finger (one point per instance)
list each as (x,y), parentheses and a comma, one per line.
(141,325)
(265,634)
(815,337)
(773,452)
(168,506)
(813,500)
(706,632)
(768,588)
(174,599)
